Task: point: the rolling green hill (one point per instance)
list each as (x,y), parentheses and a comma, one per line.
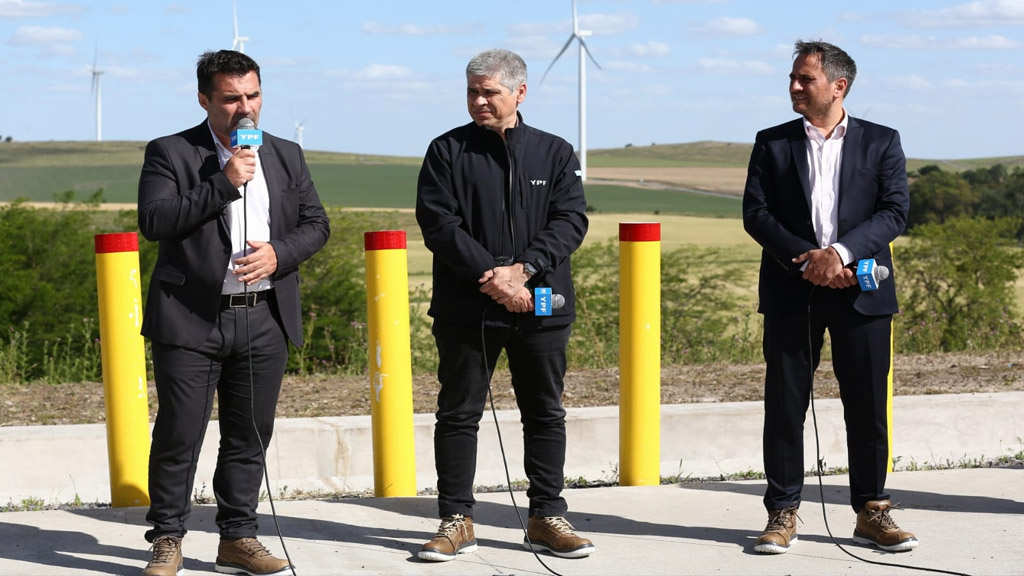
(40,171)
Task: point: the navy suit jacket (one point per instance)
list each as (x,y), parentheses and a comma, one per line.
(183,196)
(873,205)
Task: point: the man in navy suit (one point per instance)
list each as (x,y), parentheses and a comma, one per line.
(233,226)
(823,192)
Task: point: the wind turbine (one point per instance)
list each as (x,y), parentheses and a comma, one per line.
(579,35)
(298,132)
(238,42)
(96,73)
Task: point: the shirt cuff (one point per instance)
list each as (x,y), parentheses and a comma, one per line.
(844,253)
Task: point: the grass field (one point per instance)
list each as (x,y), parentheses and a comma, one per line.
(39,171)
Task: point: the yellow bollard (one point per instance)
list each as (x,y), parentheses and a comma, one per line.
(889,387)
(639,353)
(123,352)
(387,306)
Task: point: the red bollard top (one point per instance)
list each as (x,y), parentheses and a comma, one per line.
(384,240)
(119,242)
(639,231)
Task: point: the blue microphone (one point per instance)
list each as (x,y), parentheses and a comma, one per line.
(246,135)
(870,275)
(544,301)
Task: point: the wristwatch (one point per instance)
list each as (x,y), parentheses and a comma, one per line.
(530,269)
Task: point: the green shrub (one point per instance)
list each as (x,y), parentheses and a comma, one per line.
(48,287)
(956,283)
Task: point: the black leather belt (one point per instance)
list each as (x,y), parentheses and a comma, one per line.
(244,300)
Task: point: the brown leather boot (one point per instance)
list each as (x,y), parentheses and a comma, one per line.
(780,533)
(454,537)
(555,535)
(876,527)
(248,556)
(166,560)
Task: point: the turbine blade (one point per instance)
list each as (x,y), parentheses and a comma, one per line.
(560,52)
(587,50)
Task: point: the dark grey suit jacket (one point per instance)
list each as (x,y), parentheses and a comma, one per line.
(873,205)
(183,195)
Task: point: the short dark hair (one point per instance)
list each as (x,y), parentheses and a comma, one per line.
(227,62)
(834,61)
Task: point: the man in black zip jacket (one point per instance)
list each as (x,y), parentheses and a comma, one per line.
(501,208)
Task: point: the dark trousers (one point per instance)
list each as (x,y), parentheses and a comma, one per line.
(185,383)
(537,364)
(861,357)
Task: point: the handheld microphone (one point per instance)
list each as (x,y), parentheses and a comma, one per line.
(544,301)
(246,135)
(870,275)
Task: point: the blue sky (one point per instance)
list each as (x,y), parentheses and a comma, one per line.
(386,76)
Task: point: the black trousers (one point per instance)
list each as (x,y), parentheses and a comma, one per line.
(185,383)
(537,364)
(861,357)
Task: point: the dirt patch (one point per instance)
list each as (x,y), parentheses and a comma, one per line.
(82,403)
(719,180)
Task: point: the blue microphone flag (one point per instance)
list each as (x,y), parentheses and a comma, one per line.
(866,275)
(542,301)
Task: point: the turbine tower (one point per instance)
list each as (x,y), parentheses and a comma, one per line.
(96,73)
(298,132)
(238,42)
(579,35)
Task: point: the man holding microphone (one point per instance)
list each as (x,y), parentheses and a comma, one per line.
(233,224)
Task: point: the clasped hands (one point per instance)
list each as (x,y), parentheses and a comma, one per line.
(825,268)
(506,285)
(258,264)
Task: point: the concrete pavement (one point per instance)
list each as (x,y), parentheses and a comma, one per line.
(968,521)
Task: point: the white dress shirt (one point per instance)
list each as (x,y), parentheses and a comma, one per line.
(248,218)
(824,158)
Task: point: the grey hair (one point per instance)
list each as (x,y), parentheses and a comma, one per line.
(834,61)
(504,65)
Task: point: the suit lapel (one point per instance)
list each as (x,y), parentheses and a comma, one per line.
(798,148)
(209,164)
(851,144)
(269,161)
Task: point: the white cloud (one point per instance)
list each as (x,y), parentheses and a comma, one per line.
(730,66)
(43,36)
(730,27)
(176,9)
(1001,86)
(629,67)
(998,69)
(972,14)
(600,24)
(413,29)
(650,50)
(380,72)
(902,42)
(605,24)
(912,82)
(11,9)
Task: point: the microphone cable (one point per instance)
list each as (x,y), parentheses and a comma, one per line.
(252,384)
(820,463)
(488,374)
